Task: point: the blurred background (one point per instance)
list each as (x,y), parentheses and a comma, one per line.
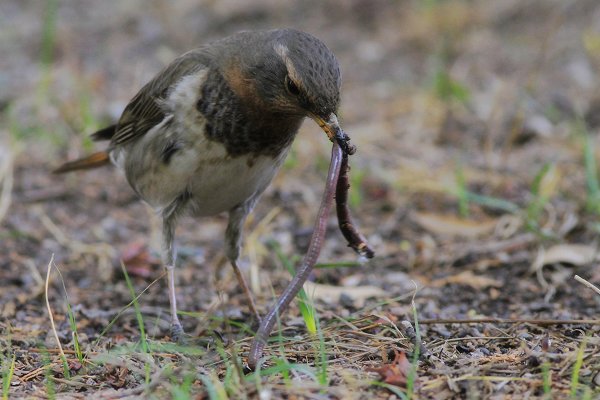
(477,131)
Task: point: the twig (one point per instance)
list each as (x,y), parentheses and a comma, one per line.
(32,374)
(454,252)
(588,284)
(53,351)
(541,322)
(45,194)
(6,177)
(72,383)
(62,353)
(154,382)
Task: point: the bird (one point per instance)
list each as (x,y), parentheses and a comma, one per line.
(209,132)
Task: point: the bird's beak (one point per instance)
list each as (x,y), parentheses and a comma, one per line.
(331,127)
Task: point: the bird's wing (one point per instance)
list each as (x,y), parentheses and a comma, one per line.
(144,111)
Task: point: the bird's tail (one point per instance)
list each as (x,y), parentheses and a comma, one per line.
(92,161)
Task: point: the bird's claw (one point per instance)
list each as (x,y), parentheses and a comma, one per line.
(177,334)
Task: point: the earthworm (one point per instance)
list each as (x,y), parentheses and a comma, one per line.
(337,184)
(314,248)
(354,238)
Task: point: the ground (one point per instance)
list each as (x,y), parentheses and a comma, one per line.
(475,180)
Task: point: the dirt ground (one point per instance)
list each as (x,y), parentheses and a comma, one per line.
(476,181)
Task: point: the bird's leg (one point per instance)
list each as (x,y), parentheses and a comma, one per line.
(233,244)
(169,256)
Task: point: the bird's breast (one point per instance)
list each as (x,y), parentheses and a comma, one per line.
(163,170)
(221,182)
(236,121)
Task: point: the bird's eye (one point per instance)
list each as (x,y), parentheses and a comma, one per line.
(291,87)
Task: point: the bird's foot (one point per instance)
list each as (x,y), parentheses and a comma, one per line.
(177,333)
(178,336)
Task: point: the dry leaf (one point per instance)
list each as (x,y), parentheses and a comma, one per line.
(117,376)
(138,260)
(396,372)
(575,254)
(467,278)
(452,226)
(331,294)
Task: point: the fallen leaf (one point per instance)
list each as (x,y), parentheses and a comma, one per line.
(467,278)
(138,260)
(331,294)
(74,365)
(117,376)
(396,372)
(574,254)
(452,226)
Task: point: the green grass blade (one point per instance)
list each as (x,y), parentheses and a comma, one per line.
(214,388)
(412,374)
(539,200)
(338,264)
(140,321)
(577,368)
(72,320)
(591,175)
(321,360)
(50,386)
(462,192)
(494,202)
(48,44)
(122,310)
(305,305)
(7,375)
(547,380)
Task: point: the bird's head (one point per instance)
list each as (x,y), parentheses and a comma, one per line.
(291,72)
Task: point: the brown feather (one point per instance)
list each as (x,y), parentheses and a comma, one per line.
(92,161)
